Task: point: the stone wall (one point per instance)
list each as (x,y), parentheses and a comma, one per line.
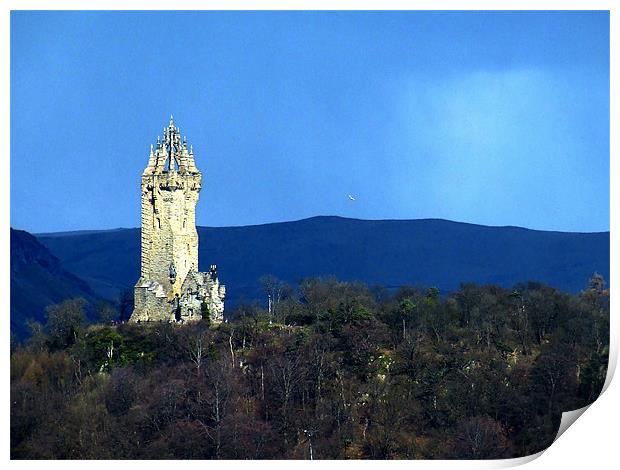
(169,235)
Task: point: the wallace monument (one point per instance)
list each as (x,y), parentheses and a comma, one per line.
(170,288)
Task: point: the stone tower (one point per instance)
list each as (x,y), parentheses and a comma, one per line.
(170,287)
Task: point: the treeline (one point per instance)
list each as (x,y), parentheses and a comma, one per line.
(330,370)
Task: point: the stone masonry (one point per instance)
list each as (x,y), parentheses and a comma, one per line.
(170,287)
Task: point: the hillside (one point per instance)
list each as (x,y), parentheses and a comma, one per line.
(38,279)
(478,374)
(387,252)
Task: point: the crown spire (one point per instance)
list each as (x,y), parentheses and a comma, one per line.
(171,151)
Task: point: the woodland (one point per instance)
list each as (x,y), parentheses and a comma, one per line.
(325,370)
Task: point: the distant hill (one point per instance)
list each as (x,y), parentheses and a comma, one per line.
(38,279)
(392,253)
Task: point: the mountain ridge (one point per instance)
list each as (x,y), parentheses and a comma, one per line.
(433,219)
(38,279)
(389,252)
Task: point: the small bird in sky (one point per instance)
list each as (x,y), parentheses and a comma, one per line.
(351,197)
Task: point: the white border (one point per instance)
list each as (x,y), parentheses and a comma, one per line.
(592,443)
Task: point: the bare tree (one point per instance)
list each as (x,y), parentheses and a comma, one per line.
(276,291)
(195,341)
(221,377)
(105,312)
(64,321)
(286,371)
(480,437)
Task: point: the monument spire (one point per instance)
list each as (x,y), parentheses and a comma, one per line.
(170,288)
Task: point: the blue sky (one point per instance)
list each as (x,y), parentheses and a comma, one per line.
(496,118)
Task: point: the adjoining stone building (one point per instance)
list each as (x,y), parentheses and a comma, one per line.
(170,287)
